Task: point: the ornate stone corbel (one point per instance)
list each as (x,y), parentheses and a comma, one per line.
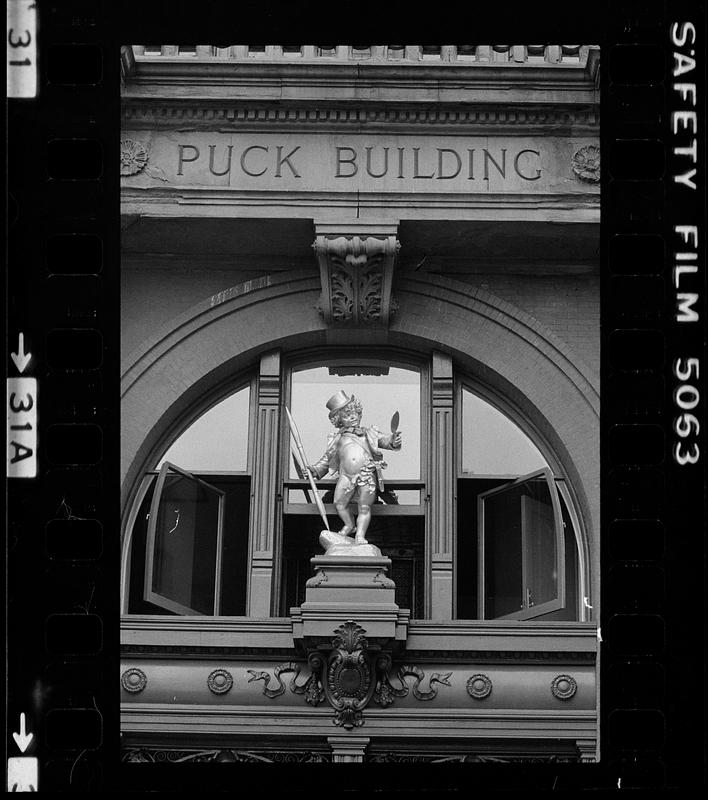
(356,271)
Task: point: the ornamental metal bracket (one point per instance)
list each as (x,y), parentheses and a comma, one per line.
(356,270)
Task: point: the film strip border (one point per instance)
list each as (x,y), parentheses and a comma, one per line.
(62,544)
(62,368)
(653,431)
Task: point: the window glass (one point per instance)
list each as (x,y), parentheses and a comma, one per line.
(502,555)
(182,550)
(217,441)
(234,556)
(492,444)
(523,549)
(396,389)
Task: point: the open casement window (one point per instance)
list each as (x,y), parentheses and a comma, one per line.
(184,544)
(521,549)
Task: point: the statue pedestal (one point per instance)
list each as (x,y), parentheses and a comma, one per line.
(350,587)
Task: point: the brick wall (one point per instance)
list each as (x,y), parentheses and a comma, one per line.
(568,305)
(151,298)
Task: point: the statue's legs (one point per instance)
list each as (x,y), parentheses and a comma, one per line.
(343,493)
(366,498)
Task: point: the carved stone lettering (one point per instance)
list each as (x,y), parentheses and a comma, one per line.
(325,163)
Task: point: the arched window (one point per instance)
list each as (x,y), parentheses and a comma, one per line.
(226,512)
(188,551)
(517,553)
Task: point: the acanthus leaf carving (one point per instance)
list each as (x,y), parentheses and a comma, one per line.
(350,682)
(356,274)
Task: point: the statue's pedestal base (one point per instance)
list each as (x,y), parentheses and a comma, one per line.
(350,587)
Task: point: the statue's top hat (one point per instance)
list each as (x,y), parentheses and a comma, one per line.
(337,401)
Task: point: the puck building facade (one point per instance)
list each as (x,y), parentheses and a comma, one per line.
(418,226)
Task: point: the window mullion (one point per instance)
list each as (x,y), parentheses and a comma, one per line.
(261,573)
(439,552)
(525,558)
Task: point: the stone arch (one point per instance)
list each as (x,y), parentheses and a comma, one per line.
(507,351)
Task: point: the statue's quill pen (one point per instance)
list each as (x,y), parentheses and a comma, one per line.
(304,462)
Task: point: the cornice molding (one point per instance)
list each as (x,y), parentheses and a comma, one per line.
(261,264)
(562,722)
(555,120)
(580,206)
(484,641)
(439,656)
(174,70)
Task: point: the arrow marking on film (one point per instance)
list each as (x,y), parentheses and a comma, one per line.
(21,358)
(22,738)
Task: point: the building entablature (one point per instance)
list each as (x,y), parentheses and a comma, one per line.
(271,638)
(538,681)
(223,74)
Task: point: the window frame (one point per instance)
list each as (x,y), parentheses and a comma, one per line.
(372,355)
(385,357)
(581,548)
(528,611)
(465,380)
(149,595)
(341,356)
(188,414)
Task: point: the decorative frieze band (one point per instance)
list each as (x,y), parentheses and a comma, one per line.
(152,755)
(172,113)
